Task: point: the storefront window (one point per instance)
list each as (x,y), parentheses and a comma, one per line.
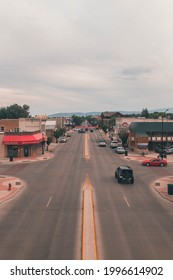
(12,150)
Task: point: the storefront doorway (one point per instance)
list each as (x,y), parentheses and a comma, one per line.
(26,151)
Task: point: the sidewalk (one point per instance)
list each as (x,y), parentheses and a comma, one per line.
(140,158)
(161,186)
(9,188)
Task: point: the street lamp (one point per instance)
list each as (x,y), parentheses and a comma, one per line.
(162,131)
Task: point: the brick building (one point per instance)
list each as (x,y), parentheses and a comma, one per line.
(21,137)
(149,135)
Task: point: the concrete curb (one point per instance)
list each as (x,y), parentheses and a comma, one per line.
(46,156)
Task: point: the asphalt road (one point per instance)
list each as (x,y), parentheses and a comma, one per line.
(45,220)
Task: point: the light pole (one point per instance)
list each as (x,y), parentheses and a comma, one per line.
(162,131)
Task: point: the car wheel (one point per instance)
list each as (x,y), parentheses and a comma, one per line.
(147,164)
(119,180)
(161,164)
(132,181)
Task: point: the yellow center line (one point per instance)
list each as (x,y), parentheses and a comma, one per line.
(89,248)
(86,147)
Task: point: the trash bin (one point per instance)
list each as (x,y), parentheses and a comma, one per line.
(126,153)
(11,158)
(170,189)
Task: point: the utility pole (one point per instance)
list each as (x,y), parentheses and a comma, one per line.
(162,131)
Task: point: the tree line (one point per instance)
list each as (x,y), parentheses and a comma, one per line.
(15,111)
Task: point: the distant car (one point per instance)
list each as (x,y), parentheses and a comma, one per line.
(124,174)
(102,143)
(68,134)
(91,130)
(62,140)
(154,162)
(81,130)
(120,150)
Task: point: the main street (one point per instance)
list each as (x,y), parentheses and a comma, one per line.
(46,221)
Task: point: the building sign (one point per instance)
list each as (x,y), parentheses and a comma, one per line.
(143,145)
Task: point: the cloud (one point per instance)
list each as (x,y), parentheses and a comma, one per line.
(82,55)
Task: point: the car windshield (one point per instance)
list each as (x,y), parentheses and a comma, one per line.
(127,172)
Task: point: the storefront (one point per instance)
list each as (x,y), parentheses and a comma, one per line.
(23,144)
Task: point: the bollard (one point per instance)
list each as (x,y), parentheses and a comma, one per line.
(9,186)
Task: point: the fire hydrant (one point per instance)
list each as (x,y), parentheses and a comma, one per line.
(9,186)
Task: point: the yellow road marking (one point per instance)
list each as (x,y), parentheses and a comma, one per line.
(86,147)
(89,248)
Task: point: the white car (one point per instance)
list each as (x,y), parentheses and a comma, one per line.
(115,143)
(102,143)
(62,140)
(120,150)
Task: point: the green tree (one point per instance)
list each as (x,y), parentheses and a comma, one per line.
(105,128)
(76,120)
(58,133)
(145,113)
(14,111)
(3,113)
(112,123)
(123,135)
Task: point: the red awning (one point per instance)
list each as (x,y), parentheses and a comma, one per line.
(23,139)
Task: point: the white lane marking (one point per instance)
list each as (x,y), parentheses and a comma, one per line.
(126,201)
(49,201)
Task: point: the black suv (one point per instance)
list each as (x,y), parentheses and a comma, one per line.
(124,174)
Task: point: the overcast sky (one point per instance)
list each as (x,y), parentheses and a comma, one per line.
(86,55)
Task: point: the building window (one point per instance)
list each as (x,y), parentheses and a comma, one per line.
(2,128)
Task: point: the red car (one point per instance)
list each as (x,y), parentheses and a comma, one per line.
(154,162)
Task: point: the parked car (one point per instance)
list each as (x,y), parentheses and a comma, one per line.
(102,143)
(120,150)
(124,174)
(62,140)
(155,162)
(115,144)
(168,151)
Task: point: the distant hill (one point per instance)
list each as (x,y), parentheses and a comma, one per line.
(80,114)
